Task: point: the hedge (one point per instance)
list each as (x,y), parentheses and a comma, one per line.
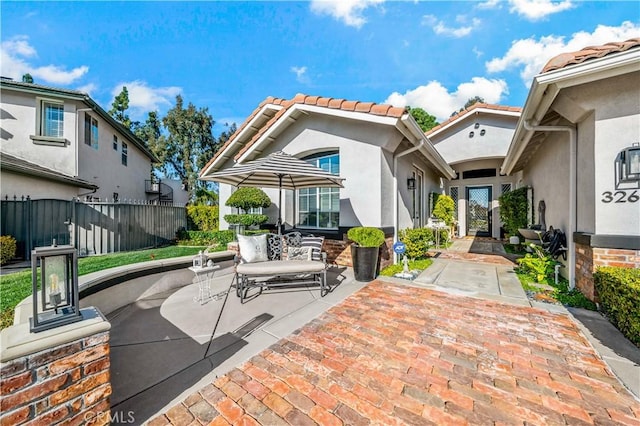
(202,218)
(619,293)
(7,248)
(204,238)
(418,241)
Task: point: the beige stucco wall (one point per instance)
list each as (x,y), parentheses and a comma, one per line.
(21,185)
(457,145)
(366,163)
(19,122)
(104,168)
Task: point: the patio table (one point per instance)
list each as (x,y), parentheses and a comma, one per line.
(204,275)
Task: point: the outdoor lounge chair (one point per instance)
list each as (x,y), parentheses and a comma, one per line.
(276,267)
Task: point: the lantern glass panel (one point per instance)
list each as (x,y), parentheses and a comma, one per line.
(56,280)
(634,162)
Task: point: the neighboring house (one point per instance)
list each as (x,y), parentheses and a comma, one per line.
(376,148)
(59,143)
(474,142)
(577,144)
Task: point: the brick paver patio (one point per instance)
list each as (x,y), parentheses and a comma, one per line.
(394,354)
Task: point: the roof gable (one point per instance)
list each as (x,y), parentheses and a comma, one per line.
(468,112)
(235,147)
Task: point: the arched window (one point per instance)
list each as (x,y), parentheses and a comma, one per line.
(319,208)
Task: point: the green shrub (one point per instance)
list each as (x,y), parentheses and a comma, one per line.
(247,197)
(418,240)
(514,206)
(246,219)
(203,218)
(619,292)
(538,266)
(7,248)
(444,209)
(204,238)
(366,236)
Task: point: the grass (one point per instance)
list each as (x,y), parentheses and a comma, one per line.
(15,287)
(419,264)
(556,293)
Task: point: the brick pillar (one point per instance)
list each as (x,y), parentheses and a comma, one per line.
(584,271)
(68,384)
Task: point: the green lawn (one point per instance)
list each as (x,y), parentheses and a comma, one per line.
(419,264)
(15,287)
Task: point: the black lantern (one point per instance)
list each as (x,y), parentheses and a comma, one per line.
(55,288)
(411,183)
(628,168)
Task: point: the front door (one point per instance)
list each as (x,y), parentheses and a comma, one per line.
(479,211)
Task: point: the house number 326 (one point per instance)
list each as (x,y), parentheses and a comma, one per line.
(620,197)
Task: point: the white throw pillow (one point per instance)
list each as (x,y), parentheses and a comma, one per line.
(253,249)
(299,253)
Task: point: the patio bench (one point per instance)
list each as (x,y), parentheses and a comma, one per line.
(278,270)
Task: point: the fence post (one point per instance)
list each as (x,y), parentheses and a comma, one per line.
(28,223)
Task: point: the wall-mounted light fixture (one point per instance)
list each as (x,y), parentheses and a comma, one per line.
(628,168)
(411,183)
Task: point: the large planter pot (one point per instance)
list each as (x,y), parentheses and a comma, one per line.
(365,262)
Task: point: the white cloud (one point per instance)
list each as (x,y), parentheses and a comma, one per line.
(88,88)
(144,98)
(531,55)
(348,11)
(16,54)
(438,101)
(440,28)
(534,10)
(301,74)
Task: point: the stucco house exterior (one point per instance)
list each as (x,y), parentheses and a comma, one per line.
(59,143)
(577,143)
(376,148)
(474,143)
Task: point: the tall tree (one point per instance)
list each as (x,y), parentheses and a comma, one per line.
(27,78)
(425,120)
(119,108)
(187,144)
(469,103)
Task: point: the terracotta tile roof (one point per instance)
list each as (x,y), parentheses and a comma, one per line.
(331,103)
(590,52)
(466,111)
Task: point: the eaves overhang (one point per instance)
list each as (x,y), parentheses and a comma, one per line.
(546,87)
(24,167)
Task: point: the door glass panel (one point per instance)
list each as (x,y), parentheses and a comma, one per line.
(478,211)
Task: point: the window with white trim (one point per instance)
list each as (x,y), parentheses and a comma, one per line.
(320,207)
(125,153)
(51,122)
(90,131)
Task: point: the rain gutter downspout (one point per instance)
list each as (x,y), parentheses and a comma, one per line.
(572,189)
(395,189)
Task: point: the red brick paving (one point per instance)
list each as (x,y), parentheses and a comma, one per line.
(393,354)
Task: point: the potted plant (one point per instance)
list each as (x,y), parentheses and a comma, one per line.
(364,251)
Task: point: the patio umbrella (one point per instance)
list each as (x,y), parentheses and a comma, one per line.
(277,170)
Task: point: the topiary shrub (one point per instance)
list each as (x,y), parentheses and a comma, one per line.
(246,198)
(444,208)
(366,236)
(7,248)
(619,292)
(203,218)
(246,219)
(514,206)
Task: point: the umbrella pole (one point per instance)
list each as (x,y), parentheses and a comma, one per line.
(279,204)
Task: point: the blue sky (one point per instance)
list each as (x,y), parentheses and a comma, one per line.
(229,56)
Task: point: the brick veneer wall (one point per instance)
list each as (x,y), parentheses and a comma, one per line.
(339,251)
(66,384)
(589,258)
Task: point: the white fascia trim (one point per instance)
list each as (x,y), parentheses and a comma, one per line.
(546,87)
(472,112)
(428,150)
(232,147)
(284,121)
